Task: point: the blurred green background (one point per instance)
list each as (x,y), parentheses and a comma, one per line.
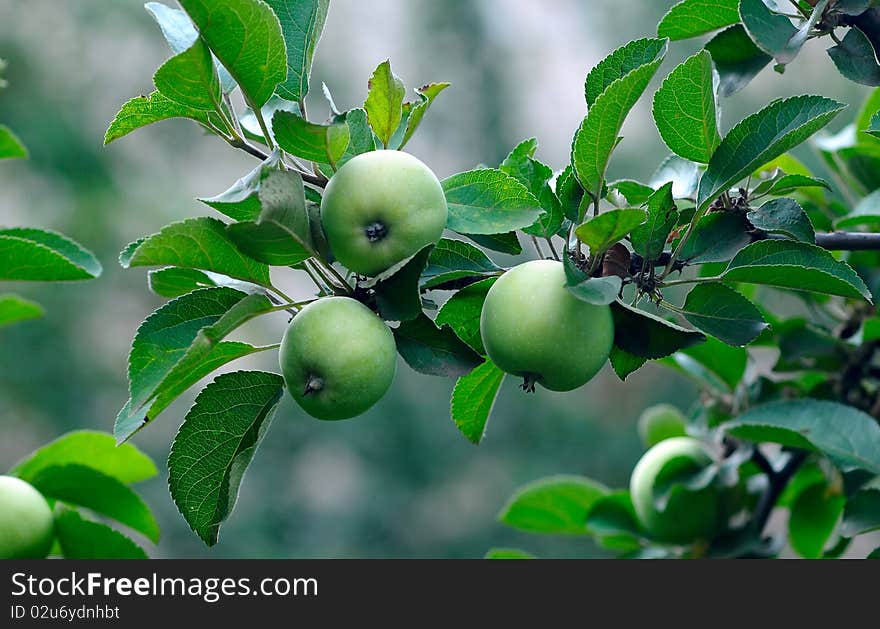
(399,481)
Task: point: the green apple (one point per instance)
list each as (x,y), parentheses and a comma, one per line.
(660,422)
(532,327)
(688,515)
(380,208)
(338,358)
(26,523)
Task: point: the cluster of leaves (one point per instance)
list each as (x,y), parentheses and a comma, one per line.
(35,255)
(794,417)
(723,213)
(749,35)
(84,474)
(823,471)
(217,272)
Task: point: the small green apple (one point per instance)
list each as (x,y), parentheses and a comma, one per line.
(688,515)
(532,327)
(338,358)
(660,422)
(26,523)
(380,208)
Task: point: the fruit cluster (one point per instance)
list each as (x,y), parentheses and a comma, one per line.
(379,209)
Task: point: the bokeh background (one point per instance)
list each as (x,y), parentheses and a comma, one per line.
(399,481)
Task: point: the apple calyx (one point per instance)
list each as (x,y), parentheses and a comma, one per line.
(376,231)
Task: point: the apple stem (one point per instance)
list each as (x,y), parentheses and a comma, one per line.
(528,384)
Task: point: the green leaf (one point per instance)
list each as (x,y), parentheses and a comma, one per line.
(15,309)
(814,516)
(281,235)
(624,363)
(462,313)
(314,142)
(176,26)
(180,33)
(397,296)
(608,228)
(488,201)
(862,513)
(96,450)
(360,136)
(302,23)
(535,176)
(635,192)
(599,291)
(503,243)
(384,104)
(571,194)
(246,37)
(846,435)
(87,487)
(620,63)
(865,214)
(10,145)
(216,443)
(773,33)
(554,505)
(874,128)
(162,341)
(241,201)
(784,216)
(786,184)
(717,237)
(613,514)
(507,553)
(856,58)
(80,538)
(40,255)
(190,78)
(172,282)
(455,260)
(647,336)
(721,361)
(198,363)
(685,109)
(196,243)
(649,240)
(473,397)
(434,351)
(682,174)
(692,18)
(427,94)
(737,59)
(205,353)
(145,110)
(761,137)
(724,313)
(599,133)
(853,7)
(796,266)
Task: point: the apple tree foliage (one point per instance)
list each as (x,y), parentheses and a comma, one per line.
(82,474)
(28,254)
(693,260)
(87,480)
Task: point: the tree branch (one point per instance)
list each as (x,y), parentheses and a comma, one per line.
(849,241)
(835,241)
(315,180)
(778,482)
